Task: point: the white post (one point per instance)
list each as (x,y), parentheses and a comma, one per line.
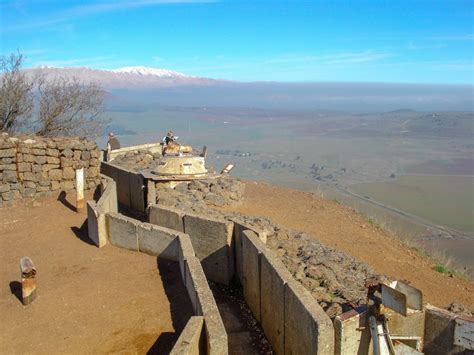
(79,189)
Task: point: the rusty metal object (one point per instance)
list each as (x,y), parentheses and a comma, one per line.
(176,148)
(28,280)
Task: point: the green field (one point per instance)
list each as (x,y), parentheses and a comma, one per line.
(444,200)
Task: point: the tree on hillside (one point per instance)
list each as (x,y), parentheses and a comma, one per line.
(55,106)
(16,93)
(69,107)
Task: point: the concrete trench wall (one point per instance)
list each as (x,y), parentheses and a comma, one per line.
(447,333)
(211,239)
(131,234)
(292,320)
(96,211)
(131,191)
(190,340)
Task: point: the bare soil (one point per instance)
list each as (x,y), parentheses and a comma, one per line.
(89,300)
(340,227)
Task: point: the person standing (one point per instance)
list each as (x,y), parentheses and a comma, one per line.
(113,143)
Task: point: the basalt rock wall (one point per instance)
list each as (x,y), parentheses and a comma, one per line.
(31,165)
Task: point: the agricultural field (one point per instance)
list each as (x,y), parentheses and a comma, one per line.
(443,200)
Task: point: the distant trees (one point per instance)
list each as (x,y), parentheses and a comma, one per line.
(50,106)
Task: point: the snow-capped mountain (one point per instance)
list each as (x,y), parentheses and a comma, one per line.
(162,73)
(125,78)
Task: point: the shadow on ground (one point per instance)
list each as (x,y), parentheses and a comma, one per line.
(82,233)
(180,304)
(62,198)
(15,289)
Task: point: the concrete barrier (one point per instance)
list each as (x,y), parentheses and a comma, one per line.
(122,231)
(444,332)
(202,299)
(239,227)
(251,249)
(159,241)
(291,318)
(211,239)
(166,216)
(191,338)
(308,329)
(273,278)
(131,190)
(129,233)
(351,333)
(96,211)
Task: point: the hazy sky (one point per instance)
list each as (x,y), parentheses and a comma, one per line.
(376,41)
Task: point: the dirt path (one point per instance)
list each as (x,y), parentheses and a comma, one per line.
(89,300)
(341,228)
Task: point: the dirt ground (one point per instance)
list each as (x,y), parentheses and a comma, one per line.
(89,300)
(341,228)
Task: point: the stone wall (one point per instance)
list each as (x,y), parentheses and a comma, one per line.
(31,166)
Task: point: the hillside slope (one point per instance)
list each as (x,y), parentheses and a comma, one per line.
(343,229)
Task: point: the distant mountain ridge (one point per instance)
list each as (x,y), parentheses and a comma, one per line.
(140,70)
(138,77)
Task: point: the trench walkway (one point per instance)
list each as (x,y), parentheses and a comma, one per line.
(243,333)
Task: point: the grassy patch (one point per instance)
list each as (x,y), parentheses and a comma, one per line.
(441,269)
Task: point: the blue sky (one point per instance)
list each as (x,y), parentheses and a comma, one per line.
(354,41)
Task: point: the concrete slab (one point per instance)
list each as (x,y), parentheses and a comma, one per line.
(273,277)
(211,239)
(159,241)
(191,283)
(137,191)
(96,226)
(108,199)
(411,325)
(439,332)
(123,186)
(166,216)
(122,231)
(351,333)
(308,329)
(216,336)
(189,342)
(185,250)
(250,278)
(96,212)
(239,227)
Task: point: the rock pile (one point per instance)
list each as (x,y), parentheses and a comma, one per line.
(137,160)
(198,194)
(31,165)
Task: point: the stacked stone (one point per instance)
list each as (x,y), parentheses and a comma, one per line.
(31,165)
